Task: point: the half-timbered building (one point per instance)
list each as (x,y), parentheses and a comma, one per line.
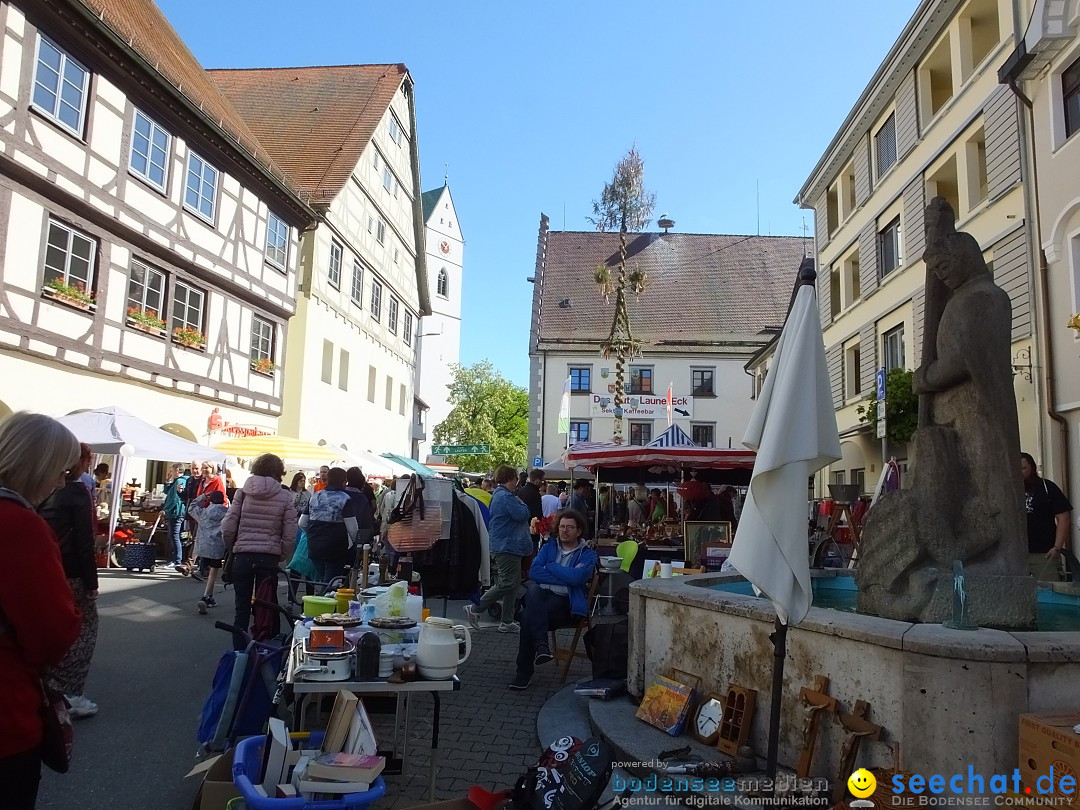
(148,244)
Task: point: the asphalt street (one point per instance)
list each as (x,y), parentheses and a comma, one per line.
(151,674)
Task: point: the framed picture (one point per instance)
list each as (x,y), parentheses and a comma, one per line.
(702,535)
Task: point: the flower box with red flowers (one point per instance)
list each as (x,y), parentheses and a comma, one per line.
(73,294)
(190,338)
(146,319)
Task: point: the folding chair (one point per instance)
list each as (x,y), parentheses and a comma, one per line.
(579,626)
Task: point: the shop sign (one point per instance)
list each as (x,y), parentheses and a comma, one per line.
(642,406)
(216,424)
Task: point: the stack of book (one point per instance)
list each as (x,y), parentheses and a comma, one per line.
(347,762)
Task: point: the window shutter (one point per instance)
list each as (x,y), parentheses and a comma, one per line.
(821,222)
(1011,274)
(907,117)
(868,346)
(914,227)
(1002,142)
(862,171)
(835,362)
(868,260)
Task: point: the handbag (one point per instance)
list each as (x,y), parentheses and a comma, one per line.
(411,526)
(57,737)
(227,564)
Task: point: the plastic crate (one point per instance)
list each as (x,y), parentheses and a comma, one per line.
(247,769)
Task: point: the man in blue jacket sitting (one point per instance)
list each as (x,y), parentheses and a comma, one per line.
(559,576)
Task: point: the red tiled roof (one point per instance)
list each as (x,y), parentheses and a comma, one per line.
(315,121)
(702,288)
(144,28)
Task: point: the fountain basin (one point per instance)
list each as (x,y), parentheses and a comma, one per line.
(949,698)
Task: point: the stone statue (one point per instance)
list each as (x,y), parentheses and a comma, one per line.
(965,499)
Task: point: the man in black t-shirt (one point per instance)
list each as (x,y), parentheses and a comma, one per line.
(1048,512)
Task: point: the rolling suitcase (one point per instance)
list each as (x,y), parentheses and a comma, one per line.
(141,555)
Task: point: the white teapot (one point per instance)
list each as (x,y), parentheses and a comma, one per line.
(437,653)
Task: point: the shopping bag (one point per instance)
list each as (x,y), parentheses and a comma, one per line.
(412,526)
(58,737)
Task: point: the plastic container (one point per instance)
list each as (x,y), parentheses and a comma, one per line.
(318,605)
(344,596)
(247,768)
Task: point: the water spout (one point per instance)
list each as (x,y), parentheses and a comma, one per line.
(959,612)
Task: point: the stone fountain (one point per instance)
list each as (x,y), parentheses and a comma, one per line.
(946,698)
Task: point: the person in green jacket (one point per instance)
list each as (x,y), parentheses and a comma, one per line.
(175,484)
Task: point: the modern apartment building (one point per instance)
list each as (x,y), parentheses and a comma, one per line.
(347,136)
(1045,69)
(711,302)
(933,121)
(439,341)
(148,243)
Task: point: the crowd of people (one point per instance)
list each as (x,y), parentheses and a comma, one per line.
(49,621)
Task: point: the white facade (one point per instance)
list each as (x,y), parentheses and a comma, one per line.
(439,338)
(80,205)
(714,413)
(351,360)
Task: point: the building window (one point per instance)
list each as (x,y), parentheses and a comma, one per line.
(392,315)
(372,373)
(849,281)
(703,435)
(376,300)
(343,370)
(977,176)
(401,399)
(442,286)
(579,432)
(407,328)
(839,477)
(640,433)
(885,145)
(371,224)
(892,344)
(187,307)
(701,382)
(149,157)
(61,86)
(387,179)
(69,259)
(333,272)
(852,375)
(581,379)
(357,292)
(277,241)
(640,380)
(395,130)
(389,393)
(327,362)
(262,339)
(858,477)
(1070,93)
(201,192)
(375,159)
(889,248)
(146,294)
(380,232)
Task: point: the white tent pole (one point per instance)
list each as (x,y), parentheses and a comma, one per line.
(119,470)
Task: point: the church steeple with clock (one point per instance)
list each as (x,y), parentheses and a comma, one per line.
(439,337)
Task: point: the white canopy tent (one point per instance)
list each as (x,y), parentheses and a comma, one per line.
(114,431)
(371,464)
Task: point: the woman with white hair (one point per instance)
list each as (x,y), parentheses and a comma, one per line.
(38,618)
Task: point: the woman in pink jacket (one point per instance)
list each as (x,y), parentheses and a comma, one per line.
(259,531)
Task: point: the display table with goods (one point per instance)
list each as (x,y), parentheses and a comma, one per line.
(380,656)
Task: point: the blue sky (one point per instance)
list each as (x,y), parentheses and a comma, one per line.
(532,104)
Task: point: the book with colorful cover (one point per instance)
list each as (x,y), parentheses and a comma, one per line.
(666,705)
(361,739)
(346,767)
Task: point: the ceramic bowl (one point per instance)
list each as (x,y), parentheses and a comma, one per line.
(610,563)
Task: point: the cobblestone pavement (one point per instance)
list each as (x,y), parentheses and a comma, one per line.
(152,671)
(488,731)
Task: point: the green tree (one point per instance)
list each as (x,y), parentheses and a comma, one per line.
(487,409)
(625,205)
(901,407)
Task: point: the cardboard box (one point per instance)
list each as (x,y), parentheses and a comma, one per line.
(217,782)
(1047,741)
(326,639)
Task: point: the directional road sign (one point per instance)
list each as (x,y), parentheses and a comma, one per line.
(461,449)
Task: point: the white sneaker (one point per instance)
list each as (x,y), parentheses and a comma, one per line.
(81,706)
(473,615)
(509,627)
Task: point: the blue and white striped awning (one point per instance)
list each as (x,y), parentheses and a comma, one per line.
(674,436)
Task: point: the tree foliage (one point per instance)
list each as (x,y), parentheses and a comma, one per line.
(626,206)
(901,407)
(487,409)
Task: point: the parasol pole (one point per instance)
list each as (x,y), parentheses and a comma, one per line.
(779,640)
